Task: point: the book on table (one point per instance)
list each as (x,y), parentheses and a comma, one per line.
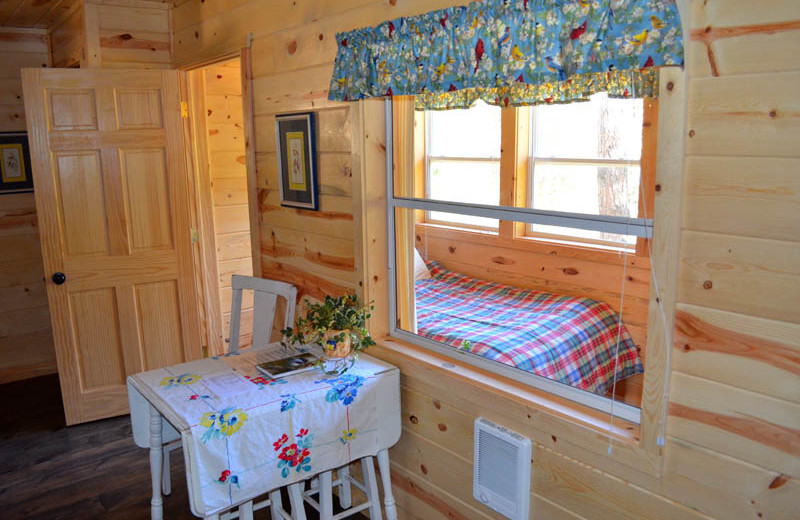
(288,366)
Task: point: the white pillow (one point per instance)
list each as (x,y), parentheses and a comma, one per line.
(420,269)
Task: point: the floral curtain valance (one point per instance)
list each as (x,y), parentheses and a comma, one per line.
(512,52)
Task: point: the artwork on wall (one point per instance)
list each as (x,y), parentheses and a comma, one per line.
(15,163)
(297,172)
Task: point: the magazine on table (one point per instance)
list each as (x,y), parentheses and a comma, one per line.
(288,366)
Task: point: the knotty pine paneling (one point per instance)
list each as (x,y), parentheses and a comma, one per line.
(726,326)
(26,340)
(222,93)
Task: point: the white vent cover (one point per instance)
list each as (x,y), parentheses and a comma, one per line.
(501,477)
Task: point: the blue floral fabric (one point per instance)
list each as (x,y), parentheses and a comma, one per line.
(512,52)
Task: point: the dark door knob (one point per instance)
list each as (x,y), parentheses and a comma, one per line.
(59,278)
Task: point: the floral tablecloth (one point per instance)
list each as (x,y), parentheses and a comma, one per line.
(259,434)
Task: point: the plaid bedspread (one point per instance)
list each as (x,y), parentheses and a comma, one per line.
(571,340)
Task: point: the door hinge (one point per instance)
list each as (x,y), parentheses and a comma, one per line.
(184,109)
(205,351)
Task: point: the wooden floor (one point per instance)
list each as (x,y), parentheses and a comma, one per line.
(89,471)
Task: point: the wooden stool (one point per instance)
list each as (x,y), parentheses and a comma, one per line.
(323,487)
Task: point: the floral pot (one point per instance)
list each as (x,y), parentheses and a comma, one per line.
(334,348)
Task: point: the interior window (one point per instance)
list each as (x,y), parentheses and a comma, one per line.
(508,229)
(586,159)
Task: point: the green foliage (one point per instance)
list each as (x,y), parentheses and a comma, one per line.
(344,314)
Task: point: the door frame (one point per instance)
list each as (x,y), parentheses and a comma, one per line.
(195,133)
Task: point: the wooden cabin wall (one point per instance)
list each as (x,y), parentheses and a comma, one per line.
(26,339)
(113,34)
(228,175)
(733,444)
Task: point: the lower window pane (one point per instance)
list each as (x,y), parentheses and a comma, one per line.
(475,294)
(594,190)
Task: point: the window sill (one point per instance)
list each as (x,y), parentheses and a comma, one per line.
(563,409)
(553,422)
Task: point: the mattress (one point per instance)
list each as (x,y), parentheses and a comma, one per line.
(575,341)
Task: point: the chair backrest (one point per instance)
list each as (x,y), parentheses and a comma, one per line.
(265,298)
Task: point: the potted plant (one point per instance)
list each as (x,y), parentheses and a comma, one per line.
(337,324)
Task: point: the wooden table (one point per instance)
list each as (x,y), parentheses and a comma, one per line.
(166,404)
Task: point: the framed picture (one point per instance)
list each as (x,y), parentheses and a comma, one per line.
(297,168)
(15,163)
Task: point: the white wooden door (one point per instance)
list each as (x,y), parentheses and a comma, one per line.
(112,196)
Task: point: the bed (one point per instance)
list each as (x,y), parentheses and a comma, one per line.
(564,338)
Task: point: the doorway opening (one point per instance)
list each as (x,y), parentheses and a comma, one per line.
(218,112)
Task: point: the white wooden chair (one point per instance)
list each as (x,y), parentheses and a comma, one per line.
(265,300)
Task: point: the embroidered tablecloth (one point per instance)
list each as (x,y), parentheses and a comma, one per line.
(257,434)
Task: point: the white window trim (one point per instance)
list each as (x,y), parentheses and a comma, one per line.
(639,227)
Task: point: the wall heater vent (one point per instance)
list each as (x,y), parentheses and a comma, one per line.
(501,477)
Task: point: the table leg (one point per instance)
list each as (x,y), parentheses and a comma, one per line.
(325,496)
(156,459)
(388,496)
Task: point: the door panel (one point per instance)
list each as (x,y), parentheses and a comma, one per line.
(145,177)
(72,109)
(97,342)
(82,204)
(140,108)
(112,195)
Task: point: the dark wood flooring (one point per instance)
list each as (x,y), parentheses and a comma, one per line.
(90,471)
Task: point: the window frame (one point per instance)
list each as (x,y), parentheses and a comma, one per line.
(647,165)
(427,178)
(637,450)
(515,144)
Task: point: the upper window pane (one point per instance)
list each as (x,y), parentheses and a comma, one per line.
(468,182)
(474,132)
(601,128)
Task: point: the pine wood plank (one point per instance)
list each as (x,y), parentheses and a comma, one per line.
(748,196)
(741,12)
(743,351)
(732,116)
(231,218)
(752,276)
(234,245)
(746,425)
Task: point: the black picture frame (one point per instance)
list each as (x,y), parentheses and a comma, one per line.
(16,175)
(297,166)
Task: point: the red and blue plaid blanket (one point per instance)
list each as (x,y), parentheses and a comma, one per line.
(567,339)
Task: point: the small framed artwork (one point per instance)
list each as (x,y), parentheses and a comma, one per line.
(297,168)
(15,163)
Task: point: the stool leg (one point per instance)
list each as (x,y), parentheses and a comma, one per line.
(345,497)
(296,500)
(275,505)
(374,499)
(156,459)
(246,511)
(325,496)
(388,496)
